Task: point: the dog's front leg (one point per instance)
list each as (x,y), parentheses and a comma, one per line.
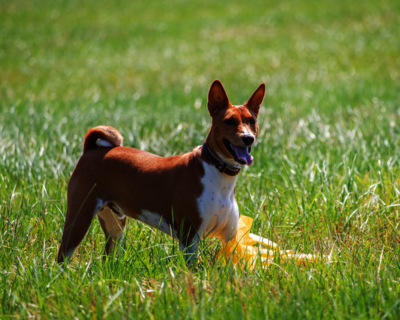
(189,250)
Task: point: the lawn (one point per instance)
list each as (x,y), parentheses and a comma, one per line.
(325,178)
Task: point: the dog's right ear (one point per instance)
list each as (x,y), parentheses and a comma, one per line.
(256,99)
(217,98)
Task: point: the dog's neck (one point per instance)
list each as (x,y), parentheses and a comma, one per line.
(220,164)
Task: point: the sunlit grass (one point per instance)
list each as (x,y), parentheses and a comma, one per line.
(325,178)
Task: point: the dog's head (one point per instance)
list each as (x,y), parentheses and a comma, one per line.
(234,129)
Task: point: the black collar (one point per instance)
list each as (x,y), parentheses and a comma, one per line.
(221,166)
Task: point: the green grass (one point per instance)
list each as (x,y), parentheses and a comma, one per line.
(325,176)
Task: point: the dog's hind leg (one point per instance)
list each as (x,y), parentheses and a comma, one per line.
(77,222)
(113,223)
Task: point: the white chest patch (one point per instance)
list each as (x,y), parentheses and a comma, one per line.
(217,204)
(156,221)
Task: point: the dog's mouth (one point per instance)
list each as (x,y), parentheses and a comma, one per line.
(240,154)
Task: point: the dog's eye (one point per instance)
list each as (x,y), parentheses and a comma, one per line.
(252,121)
(230,121)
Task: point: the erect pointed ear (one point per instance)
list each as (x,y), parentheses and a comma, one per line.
(256,99)
(217,98)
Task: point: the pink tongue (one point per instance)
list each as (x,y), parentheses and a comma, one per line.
(243,154)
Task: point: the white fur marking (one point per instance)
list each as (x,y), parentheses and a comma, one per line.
(247,132)
(156,221)
(104,143)
(217,204)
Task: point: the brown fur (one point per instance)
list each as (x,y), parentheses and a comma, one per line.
(132,180)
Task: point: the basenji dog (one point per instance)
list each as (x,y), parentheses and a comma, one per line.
(187,196)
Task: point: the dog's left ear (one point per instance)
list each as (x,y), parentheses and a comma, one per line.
(256,99)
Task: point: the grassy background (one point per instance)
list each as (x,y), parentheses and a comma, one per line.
(326,171)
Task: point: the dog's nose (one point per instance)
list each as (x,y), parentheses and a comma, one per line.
(248,140)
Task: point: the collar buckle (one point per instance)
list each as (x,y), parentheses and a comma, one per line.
(222,167)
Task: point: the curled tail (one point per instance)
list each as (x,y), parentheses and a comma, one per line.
(102,136)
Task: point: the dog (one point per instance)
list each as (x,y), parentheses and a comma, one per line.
(188,196)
